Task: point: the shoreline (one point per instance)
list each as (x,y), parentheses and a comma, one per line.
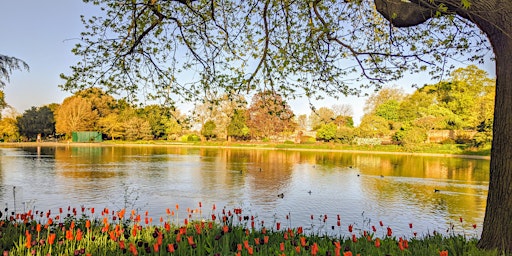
(252,147)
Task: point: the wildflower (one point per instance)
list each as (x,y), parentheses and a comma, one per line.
(350,227)
(390,232)
(278,225)
(281,246)
(381,224)
(474,226)
(377,243)
(443,253)
(348,253)
(374,229)
(239,247)
(354,238)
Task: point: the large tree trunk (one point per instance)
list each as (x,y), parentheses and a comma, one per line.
(497,228)
(494,18)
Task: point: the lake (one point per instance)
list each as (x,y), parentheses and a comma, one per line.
(430,192)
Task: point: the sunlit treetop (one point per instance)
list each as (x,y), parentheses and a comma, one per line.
(176,51)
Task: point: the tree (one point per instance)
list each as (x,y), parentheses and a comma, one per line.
(323,115)
(268,115)
(36,121)
(237,127)
(373,126)
(381,97)
(137,128)
(208,130)
(9,129)
(110,126)
(492,18)
(75,114)
(7,65)
(299,48)
(326,132)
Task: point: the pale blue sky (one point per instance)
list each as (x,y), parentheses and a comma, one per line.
(42,33)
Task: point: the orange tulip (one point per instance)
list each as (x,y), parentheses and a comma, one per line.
(281,246)
(349,253)
(51,238)
(170,248)
(443,253)
(79,235)
(28,244)
(190,240)
(314,249)
(303,241)
(377,242)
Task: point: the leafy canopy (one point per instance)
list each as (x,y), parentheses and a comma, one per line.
(175,51)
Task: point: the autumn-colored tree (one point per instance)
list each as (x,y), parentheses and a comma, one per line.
(110,126)
(137,128)
(75,114)
(101,102)
(9,129)
(268,115)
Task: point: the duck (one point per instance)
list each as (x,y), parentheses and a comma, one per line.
(280,195)
(436,190)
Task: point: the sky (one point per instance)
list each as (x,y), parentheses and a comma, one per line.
(42,33)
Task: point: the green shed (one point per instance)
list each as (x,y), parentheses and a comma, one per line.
(86,137)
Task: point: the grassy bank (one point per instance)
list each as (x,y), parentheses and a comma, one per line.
(220,232)
(437,149)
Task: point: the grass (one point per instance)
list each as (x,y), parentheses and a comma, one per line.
(224,232)
(432,148)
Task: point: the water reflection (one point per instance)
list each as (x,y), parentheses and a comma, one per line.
(430,192)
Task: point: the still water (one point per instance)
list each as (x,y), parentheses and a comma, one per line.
(432,193)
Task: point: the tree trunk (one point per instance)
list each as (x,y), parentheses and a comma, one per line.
(497,228)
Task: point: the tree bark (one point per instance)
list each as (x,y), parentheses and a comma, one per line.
(494,18)
(497,228)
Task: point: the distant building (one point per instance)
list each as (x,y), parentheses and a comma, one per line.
(86,137)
